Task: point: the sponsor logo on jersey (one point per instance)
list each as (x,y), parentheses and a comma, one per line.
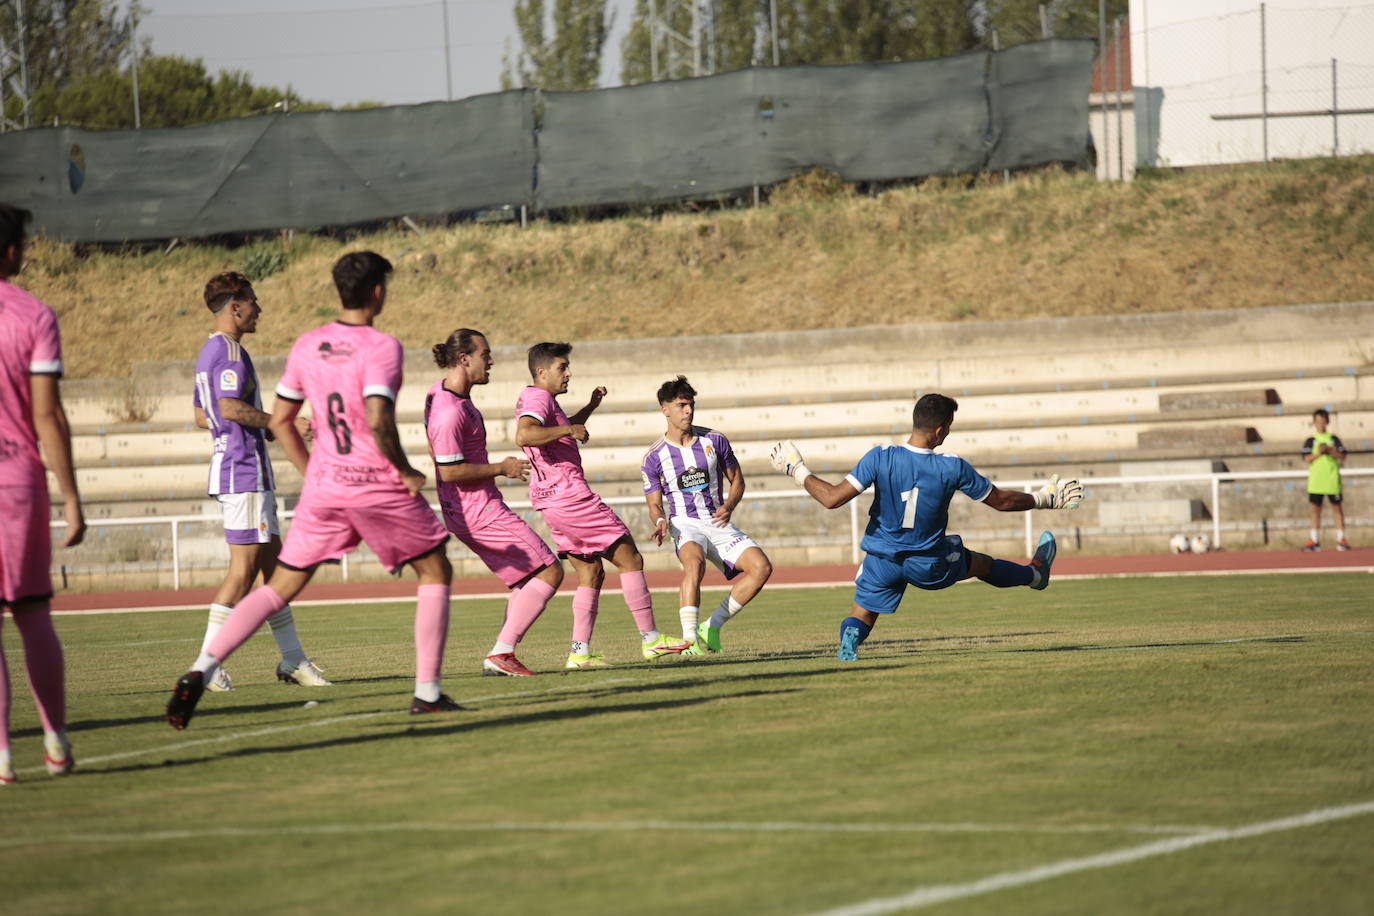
(335,352)
(8,449)
(692,480)
(229,379)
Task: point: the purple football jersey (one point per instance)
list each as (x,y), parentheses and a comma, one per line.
(239,463)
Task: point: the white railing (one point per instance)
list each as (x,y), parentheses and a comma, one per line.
(855,527)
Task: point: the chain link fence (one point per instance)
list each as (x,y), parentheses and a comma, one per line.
(1271,82)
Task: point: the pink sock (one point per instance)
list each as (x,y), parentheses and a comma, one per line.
(431,631)
(4,695)
(637,597)
(43,657)
(524,607)
(248,615)
(585,601)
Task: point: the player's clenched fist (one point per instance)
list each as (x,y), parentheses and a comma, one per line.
(787,459)
(1059,494)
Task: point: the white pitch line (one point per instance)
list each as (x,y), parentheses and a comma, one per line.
(845,583)
(315,723)
(211,833)
(943,893)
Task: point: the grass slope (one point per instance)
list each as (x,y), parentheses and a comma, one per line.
(981,732)
(814,257)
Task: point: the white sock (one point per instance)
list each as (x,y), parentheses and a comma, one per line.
(648,636)
(1340,534)
(501,648)
(206,664)
(725,611)
(6,766)
(427,690)
(689,616)
(56,744)
(284,632)
(218,614)
(1313,533)
(581,648)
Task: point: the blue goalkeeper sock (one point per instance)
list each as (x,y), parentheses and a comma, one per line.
(863,628)
(1005,574)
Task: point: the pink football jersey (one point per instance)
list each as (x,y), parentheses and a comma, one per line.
(29,345)
(556,475)
(336,368)
(458,435)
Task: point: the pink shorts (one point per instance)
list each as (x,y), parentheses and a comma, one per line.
(508,546)
(25,544)
(587,528)
(398,531)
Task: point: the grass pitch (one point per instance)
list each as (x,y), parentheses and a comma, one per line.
(983,734)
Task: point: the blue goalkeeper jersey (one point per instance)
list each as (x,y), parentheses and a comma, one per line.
(911,503)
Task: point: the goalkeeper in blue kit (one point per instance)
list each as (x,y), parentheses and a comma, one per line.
(905,542)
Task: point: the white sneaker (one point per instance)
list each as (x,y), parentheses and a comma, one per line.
(220,682)
(57,757)
(306,674)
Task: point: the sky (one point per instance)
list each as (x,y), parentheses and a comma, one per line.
(342,51)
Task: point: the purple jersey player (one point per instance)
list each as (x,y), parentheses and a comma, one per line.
(359,484)
(228,402)
(686,473)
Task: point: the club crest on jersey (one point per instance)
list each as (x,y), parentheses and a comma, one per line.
(8,449)
(331,352)
(229,379)
(692,480)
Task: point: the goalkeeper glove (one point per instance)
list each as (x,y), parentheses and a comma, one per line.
(788,460)
(1059,494)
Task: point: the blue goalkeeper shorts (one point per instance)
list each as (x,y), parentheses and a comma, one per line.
(882,582)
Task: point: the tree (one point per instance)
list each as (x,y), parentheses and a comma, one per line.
(173,92)
(1018,21)
(65,40)
(571,59)
(814,32)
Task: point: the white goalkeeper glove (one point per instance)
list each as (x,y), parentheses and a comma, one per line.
(788,460)
(1059,494)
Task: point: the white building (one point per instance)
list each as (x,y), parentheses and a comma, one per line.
(1198,71)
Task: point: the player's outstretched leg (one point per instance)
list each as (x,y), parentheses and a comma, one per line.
(853,632)
(755,569)
(249,614)
(1042,560)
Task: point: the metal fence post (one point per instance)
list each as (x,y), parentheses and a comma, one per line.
(1120,129)
(1264,86)
(1216,513)
(1030,526)
(176,557)
(854,530)
(1335,114)
(343,567)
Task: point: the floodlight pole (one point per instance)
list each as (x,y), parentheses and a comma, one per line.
(133,42)
(1264,86)
(1120,129)
(773,28)
(448,66)
(16,64)
(1102,85)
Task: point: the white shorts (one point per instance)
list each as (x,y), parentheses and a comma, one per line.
(722,546)
(249,518)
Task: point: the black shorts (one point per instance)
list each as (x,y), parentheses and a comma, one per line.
(1316,498)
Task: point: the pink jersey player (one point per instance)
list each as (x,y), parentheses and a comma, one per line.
(472,504)
(584,528)
(359,485)
(31,411)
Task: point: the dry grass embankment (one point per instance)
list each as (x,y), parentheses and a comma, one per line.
(816,256)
